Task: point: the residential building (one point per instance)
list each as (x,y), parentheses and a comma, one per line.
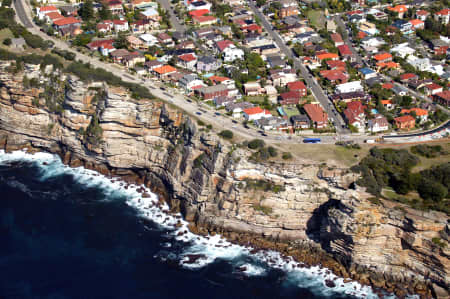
(136,43)
(432,89)
(383,57)
(187,61)
(403,50)
(399,9)
(378,124)
(204,20)
(237,108)
(443,98)
(355,115)
(353,86)
(420,113)
(271,93)
(422,14)
(233,53)
(211,92)
(405,122)
(300,122)
(404,26)
(290,98)
(164,71)
(367,73)
(115,6)
(273,123)
(387,104)
(149,39)
(345,52)
(120,25)
(318,117)
(189,81)
(43,10)
(255,113)
(440,46)
(208,64)
(66,22)
(417,24)
(152,64)
(298,86)
(443,16)
(253,89)
(337,39)
(150,14)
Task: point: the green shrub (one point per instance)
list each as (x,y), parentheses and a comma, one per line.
(7,42)
(256,143)
(286,156)
(272,151)
(226,134)
(429,151)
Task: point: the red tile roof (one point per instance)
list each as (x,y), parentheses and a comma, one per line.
(418,111)
(398,8)
(337,38)
(422,13)
(223,44)
(404,119)
(66,21)
(98,43)
(382,56)
(203,19)
(297,85)
(444,12)
(344,50)
(187,57)
(54,15)
(199,12)
(407,76)
(327,56)
(165,69)
(47,8)
(253,110)
(336,64)
(387,85)
(316,113)
(432,86)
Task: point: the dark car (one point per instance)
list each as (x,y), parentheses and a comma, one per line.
(264,134)
(162,88)
(234,122)
(217,113)
(198,113)
(189,101)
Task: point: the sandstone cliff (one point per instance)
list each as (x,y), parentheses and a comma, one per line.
(307,211)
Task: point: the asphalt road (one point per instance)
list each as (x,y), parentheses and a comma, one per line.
(173,18)
(341,25)
(310,81)
(20,11)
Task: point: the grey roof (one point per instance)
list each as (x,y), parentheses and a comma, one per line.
(207,59)
(18,42)
(300,118)
(213,88)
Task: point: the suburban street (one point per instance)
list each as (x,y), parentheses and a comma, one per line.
(347,41)
(316,89)
(173,18)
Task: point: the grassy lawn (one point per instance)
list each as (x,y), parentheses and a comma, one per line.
(291,111)
(4,34)
(430,162)
(327,153)
(316,18)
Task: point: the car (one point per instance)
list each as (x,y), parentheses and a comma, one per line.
(217,113)
(264,134)
(246,126)
(234,122)
(189,100)
(162,88)
(198,113)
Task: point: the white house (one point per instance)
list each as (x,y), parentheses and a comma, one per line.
(403,50)
(373,42)
(189,81)
(149,39)
(256,113)
(232,53)
(106,49)
(378,124)
(42,11)
(353,86)
(120,25)
(197,5)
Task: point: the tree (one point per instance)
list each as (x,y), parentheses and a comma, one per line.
(7,41)
(260,3)
(256,143)
(86,11)
(121,41)
(226,134)
(104,13)
(431,190)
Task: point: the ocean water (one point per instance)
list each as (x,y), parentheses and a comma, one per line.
(72,233)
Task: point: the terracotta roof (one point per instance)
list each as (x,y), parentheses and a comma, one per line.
(327,56)
(165,69)
(66,21)
(398,8)
(387,85)
(407,76)
(297,85)
(223,44)
(337,38)
(422,13)
(316,113)
(120,22)
(204,19)
(444,95)
(389,65)
(444,12)
(418,111)
(294,94)
(386,102)
(199,12)
(416,22)
(253,110)
(382,56)
(404,119)
(54,15)
(361,35)
(433,86)
(47,8)
(334,75)
(332,64)
(344,50)
(218,78)
(187,57)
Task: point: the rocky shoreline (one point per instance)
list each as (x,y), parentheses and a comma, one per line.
(313,215)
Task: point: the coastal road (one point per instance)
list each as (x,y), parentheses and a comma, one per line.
(310,81)
(21,13)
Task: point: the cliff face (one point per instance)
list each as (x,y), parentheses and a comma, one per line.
(307,211)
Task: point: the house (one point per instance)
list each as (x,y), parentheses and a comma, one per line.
(165,39)
(432,89)
(189,81)
(66,22)
(164,71)
(355,115)
(150,14)
(95,45)
(211,92)
(349,96)
(271,93)
(369,28)
(208,64)
(378,124)
(337,65)
(152,64)
(255,113)
(337,39)
(132,59)
(440,46)
(443,98)
(282,77)
(290,98)
(345,52)
(204,20)
(118,55)
(199,12)
(197,5)
(106,49)
(443,16)
(335,76)
(252,28)
(387,104)
(327,56)
(405,122)
(120,25)
(417,24)
(422,114)
(187,61)
(237,108)
(318,117)
(300,122)
(52,17)
(288,8)
(399,10)
(383,57)
(223,101)
(422,14)
(43,10)
(399,90)
(253,89)
(403,50)
(349,87)
(298,86)
(276,61)
(149,39)
(367,73)
(115,6)
(105,26)
(233,53)
(404,26)
(136,43)
(273,123)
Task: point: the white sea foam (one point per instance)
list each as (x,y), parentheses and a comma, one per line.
(198,251)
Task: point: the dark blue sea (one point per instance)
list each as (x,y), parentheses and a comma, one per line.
(70,233)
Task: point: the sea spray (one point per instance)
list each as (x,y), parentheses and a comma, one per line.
(196,251)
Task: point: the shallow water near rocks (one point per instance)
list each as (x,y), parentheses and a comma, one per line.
(72,233)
